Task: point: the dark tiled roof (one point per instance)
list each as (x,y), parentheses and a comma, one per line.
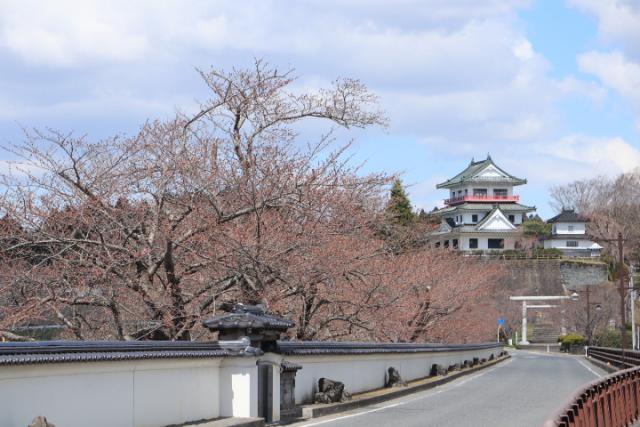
(100,351)
(304,348)
(482,207)
(568,215)
(37,352)
(474,168)
(248,316)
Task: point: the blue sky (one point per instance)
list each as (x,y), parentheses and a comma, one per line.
(551,88)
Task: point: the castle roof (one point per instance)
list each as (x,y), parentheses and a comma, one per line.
(494,222)
(568,215)
(483,171)
(483,207)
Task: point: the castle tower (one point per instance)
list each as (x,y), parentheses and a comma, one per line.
(482,212)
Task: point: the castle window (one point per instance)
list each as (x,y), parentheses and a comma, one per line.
(500,192)
(479,191)
(572,243)
(473,243)
(570,227)
(496,244)
(512,218)
(474,218)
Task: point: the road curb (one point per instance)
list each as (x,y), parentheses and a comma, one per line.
(224,422)
(319,410)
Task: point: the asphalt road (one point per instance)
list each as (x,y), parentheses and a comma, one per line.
(520,392)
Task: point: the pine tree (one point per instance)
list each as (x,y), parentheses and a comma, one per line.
(399,206)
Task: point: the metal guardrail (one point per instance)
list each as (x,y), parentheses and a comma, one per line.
(615,356)
(611,401)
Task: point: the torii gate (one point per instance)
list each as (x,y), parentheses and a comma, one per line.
(524,300)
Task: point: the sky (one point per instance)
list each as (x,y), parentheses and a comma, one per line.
(550,88)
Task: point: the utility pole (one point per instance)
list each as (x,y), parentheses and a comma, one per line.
(588,316)
(634,339)
(622,289)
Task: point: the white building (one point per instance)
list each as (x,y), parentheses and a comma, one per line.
(482,211)
(569,234)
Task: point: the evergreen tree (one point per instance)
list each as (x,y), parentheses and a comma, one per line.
(535,226)
(399,206)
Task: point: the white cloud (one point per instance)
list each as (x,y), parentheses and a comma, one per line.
(618,21)
(581,156)
(615,71)
(523,50)
(461,76)
(67,32)
(588,89)
(439,65)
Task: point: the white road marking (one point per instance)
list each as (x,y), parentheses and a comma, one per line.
(404,402)
(589,369)
(349,416)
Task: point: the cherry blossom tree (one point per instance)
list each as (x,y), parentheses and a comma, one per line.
(143,237)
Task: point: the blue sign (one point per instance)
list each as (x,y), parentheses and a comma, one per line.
(501,322)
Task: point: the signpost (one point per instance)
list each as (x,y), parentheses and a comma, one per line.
(500,326)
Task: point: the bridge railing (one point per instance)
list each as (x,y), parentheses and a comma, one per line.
(615,356)
(610,401)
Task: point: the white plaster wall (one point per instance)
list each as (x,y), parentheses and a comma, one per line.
(562,244)
(468,216)
(367,372)
(563,228)
(149,393)
(239,387)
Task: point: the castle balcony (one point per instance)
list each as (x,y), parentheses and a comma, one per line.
(481,198)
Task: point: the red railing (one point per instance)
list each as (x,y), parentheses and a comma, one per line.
(611,401)
(478,198)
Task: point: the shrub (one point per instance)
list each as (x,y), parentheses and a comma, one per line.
(566,341)
(609,338)
(572,339)
(547,253)
(514,253)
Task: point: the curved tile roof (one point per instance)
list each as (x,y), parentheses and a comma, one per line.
(474,168)
(13,353)
(321,347)
(568,215)
(505,207)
